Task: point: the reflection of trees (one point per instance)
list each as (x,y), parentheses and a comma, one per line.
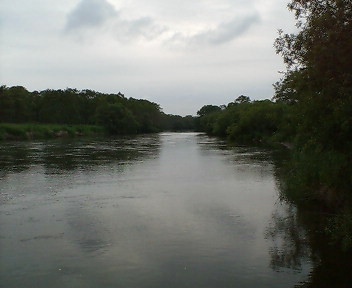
(298,236)
(61,155)
(301,239)
(256,155)
(290,242)
(14,157)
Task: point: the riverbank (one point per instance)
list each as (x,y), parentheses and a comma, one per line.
(29,131)
(299,174)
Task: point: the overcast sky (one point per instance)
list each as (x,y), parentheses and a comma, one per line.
(180,54)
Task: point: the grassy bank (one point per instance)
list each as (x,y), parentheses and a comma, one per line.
(46,131)
(320,182)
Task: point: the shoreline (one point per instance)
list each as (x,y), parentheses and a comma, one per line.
(32,131)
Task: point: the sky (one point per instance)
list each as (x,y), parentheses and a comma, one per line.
(180,54)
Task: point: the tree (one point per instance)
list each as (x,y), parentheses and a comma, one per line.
(319,72)
(16,104)
(208,109)
(147,114)
(318,85)
(116,118)
(242,99)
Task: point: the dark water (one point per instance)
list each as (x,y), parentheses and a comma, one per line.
(165,210)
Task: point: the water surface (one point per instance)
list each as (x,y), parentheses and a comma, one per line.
(163,210)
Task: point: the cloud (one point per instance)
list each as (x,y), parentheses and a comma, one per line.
(144,28)
(222,33)
(90,13)
(228,31)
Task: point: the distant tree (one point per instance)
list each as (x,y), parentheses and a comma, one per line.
(71,106)
(60,106)
(116,118)
(178,123)
(146,113)
(242,99)
(16,104)
(208,109)
(256,122)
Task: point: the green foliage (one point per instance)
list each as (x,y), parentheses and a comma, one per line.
(320,183)
(16,104)
(246,121)
(257,122)
(208,109)
(319,76)
(318,89)
(339,229)
(72,107)
(62,107)
(178,123)
(206,122)
(147,115)
(242,99)
(10,131)
(322,177)
(224,120)
(116,118)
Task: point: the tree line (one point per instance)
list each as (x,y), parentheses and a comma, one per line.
(248,121)
(115,112)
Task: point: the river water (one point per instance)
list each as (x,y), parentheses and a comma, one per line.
(162,210)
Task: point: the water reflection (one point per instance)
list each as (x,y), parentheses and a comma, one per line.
(298,238)
(298,241)
(61,155)
(86,154)
(241,158)
(167,210)
(290,244)
(14,156)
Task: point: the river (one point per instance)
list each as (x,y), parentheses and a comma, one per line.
(161,210)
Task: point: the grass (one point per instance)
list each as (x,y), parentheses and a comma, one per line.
(320,182)
(10,131)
